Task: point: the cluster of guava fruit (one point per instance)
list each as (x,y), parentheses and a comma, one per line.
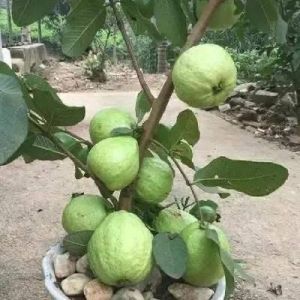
(120,249)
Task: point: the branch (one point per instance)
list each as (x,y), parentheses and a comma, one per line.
(133,58)
(163,99)
(103,190)
(80,139)
(185,177)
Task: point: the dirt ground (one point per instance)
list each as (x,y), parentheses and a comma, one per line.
(264,232)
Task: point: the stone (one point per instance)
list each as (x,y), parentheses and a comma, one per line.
(128,294)
(245,88)
(235,101)
(265,98)
(152,282)
(82,265)
(74,284)
(95,290)
(182,291)
(294,139)
(64,266)
(292,121)
(249,104)
(225,107)
(247,115)
(148,296)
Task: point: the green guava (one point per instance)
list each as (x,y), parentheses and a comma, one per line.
(204,266)
(107,120)
(224,17)
(120,250)
(115,161)
(84,212)
(154,181)
(173,220)
(204,76)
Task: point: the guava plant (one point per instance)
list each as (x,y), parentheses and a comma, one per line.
(127,228)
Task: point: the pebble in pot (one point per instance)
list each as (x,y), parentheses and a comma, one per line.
(64,266)
(95,290)
(82,265)
(182,291)
(74,284)
(128,294)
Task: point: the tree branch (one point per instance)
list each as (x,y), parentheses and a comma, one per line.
(133,58)
(103,190)
(159,106)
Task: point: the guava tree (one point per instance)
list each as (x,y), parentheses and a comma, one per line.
(139,157)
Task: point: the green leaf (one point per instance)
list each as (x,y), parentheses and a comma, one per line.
(40,147)
(186,128)
(139,24)
(213,190)
(13,117)
(76,243)
(227,262)
(83,22)
(184,153)
(146,7)
(55,112)
(188,11)
(26,12)
(252,178)
(170,254)
(142,106)
(162,135)
(171,21)
(263,14)
(281,30)
(122,131)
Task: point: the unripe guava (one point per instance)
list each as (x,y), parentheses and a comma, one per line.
(154,181)
(173,220)
(204,76)
(115,161)
(224,17)
(84,212)
(106,120)
(120,250)
(204,266)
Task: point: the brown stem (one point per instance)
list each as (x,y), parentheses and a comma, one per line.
(133,58)
(104,191)
(159,106)
(80,139)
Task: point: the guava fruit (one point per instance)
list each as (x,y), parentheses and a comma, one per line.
(224,17)
(115,161)
(84,212)
(204,266)
(173,220)
(106,120)
(154,181)
(204,76)
(120,250)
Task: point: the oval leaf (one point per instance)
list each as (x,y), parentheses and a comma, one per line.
(76,243)
(170,254)
(26,12)
(83,22)
(249,177)
(13,117)
(142,106)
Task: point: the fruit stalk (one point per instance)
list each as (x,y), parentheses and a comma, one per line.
(133,58)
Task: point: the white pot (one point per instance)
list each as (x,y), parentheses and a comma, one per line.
(56,293)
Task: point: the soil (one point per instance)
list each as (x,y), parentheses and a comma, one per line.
(264,232)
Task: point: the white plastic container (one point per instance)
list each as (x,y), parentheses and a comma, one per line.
(57,294)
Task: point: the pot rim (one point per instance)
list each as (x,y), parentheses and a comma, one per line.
(56,293)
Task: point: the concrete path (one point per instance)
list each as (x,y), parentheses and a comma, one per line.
(265,232)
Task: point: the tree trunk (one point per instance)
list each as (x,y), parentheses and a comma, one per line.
(162,62)
(9,21)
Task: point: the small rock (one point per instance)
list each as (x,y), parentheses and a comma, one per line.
(82,265)
(245,88)
(237,101)
(182,291)
(152,282)
(294,139)
(249,104)
(64,266)
(148,296)
(225,107)
(128,294)
(265,98)
(95,290)
(74,284)
(247,115)
(292,121)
